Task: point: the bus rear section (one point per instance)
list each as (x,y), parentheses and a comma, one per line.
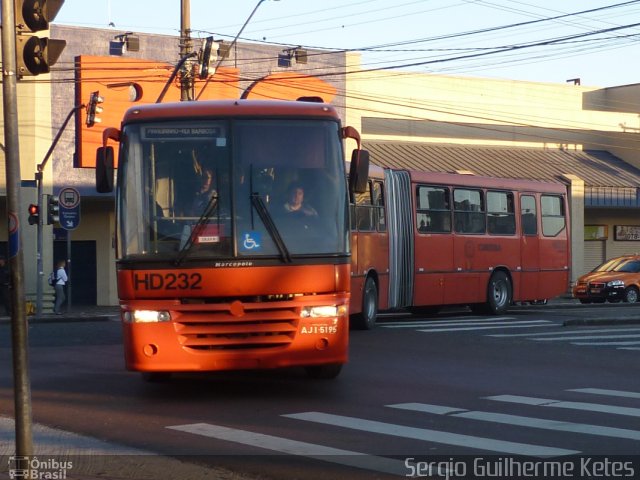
(423,240)
(485,242)
(232,228)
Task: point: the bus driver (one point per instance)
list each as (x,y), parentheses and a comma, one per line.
(296,204)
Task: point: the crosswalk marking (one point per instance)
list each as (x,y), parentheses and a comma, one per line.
(524,324)
(521,421)
(435,436)
(545,402)
(604,391)
(560,333)
(583,337)
(397,467)
(452,321)
(294,447)
(606,344)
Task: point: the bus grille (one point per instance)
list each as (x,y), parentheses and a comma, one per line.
(219,329)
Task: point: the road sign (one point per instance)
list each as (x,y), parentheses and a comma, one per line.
(69,208)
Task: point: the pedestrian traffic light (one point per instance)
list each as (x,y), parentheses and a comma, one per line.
(34,214)
(53,209)
(36,55)
(93,108)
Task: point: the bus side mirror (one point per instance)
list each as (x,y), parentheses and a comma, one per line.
(359,171)
(104,170)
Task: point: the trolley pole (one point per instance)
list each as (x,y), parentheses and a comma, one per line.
(19,331)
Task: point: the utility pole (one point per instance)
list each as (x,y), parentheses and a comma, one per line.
(186,47)
(19,331)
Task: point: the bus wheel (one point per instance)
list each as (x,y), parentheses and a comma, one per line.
(499,294)
(366,320)
(324,372)
(631,295)
(156,377)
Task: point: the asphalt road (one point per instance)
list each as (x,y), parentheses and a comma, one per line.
(539,383)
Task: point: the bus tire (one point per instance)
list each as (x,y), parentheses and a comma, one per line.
(366,319)
(324,372)
(499,293)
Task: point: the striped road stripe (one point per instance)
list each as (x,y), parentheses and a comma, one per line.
(522,324)
(604,391)
(435,436)
(294,447)
(452,321)
(521,421)
(545,402)
(560,333)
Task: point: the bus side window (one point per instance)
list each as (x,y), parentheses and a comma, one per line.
(553,219)
(501,218)
(433,209)
(364,211)
(528,215)
(378,203)
(469,211)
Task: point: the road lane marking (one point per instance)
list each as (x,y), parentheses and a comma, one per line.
(605,344)
(462,321)
(545,402)
(434,436)
(527,324)
(293,447)
(604,391)
(573,332)
(584,337)
(521,421)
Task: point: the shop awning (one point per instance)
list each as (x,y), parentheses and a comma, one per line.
(609,181)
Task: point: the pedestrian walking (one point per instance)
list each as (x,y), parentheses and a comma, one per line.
(60,281)
(5,285)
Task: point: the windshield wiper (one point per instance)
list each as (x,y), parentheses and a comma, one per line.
(204,218)
(267,220)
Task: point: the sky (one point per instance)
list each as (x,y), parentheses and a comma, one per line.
(528,40)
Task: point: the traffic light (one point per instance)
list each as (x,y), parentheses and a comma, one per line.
(53,209)
(36,55)
(34,214)
(93,108)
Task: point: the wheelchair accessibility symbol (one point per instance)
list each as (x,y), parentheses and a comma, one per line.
(252,241)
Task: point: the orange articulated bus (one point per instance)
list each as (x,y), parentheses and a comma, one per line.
(424,240)
(233,235)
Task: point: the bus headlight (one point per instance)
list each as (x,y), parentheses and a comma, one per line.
(324,311)
(146,316)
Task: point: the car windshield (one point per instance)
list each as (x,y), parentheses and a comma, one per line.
(609,265)
(629,266)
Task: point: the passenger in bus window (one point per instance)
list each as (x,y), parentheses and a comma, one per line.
(204,193)
(295,202)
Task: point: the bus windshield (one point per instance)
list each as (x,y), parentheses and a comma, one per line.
(232,189)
